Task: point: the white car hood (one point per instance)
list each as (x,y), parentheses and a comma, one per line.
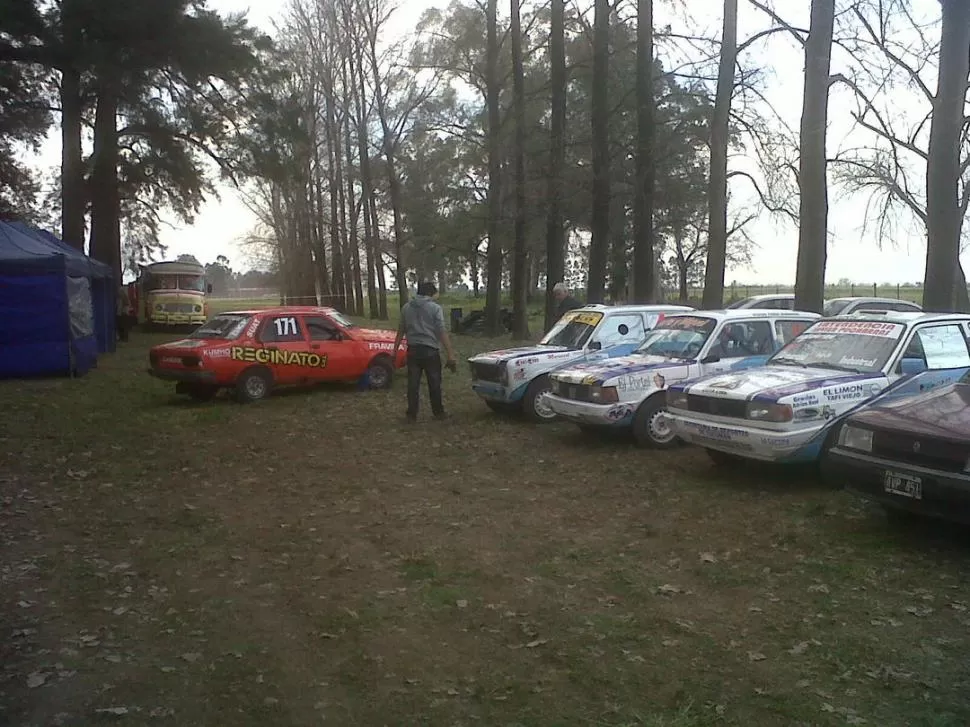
(510,354)
(774,383)
(599,373)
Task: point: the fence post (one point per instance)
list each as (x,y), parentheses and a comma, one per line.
(898,296)
(875,290)
(852,290)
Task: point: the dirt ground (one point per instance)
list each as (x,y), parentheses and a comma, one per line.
(312,560)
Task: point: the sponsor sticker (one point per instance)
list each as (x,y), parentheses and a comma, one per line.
(859,328)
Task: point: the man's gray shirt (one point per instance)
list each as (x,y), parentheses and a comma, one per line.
(423,322)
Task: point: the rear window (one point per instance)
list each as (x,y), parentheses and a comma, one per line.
(222,328)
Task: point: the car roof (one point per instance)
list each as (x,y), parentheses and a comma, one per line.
(869,299)
(730,314)
(280,309)
(902,317)
(766,296)
(650,308)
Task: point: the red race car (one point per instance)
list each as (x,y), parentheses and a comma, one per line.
(255,350)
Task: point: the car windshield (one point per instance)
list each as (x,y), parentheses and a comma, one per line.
(192,282)
(857,346)
(834,307)
(573,329)
(678,337)
(341,319)
(223,328)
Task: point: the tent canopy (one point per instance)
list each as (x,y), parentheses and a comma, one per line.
(32,243)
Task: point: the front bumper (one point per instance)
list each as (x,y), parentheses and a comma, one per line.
(163,318)
(498,392)
(587,413)
(945,495)
(801,445)
(183,375)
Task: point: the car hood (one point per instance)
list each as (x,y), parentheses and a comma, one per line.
(942,413)
(773,383)
(598,373)
(510,354)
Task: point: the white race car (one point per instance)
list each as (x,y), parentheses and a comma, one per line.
(516,379)
(629,391)
(787,411)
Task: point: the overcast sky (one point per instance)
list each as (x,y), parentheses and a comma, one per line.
(852,254)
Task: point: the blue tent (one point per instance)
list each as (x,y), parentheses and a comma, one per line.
(103,288)
(48,322)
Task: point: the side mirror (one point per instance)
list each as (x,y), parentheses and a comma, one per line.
(710,358)
(208,288)
(912,366)
(595,346)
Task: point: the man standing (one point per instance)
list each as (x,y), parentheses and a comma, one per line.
(565,300)
(123,314)
(423,323)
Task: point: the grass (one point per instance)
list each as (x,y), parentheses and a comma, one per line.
(310,560)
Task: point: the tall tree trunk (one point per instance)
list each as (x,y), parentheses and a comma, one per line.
(493,282)
(105,199)
(72,160)
(366,187)
(333,184)
(812,165)
(600,220)
(643,236)
(943,164)
(393,182)
(619,273)
(473,269)
(961,296)
(319,237)
(345,270)
(352,205)
(520,261)
(717,199)
(555,232)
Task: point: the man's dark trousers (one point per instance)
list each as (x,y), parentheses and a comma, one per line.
(426,360)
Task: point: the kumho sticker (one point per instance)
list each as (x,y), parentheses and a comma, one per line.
(278,357)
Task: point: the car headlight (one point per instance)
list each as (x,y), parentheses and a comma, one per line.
(504,373)
(856,438)
(555,385)
(198,309)
(159,307)
(770,412)
(676,399)
(604,394)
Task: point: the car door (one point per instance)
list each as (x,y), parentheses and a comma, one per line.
(735,341)
(620,333)
(934,348)
(283,347)
(341,358)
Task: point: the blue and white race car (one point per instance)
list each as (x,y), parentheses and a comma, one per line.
(515,379)
(629,391)
(787,410)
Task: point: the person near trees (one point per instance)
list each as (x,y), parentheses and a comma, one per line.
(123,314)
(423,324)
(565,301)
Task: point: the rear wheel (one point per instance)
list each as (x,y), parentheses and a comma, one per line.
(651,427)
(534,403)
(380,373)
(253,385)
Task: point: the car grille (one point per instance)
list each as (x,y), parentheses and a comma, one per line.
(576,392)
(717,407)
(487,372)
(179,307)
(925,452)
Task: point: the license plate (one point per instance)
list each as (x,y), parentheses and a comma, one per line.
(903,485)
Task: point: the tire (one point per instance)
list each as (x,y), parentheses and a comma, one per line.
(501,407)
(722,459)
(649,428)
(202,392)
(532,405)
(380,373)
(253,384)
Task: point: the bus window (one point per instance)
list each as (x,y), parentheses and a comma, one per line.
(192,282)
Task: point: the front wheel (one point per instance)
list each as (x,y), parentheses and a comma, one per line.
(253,385)
(380,374)
(534,403)
(651,428)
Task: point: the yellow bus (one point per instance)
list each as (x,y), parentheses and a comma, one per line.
(173,293)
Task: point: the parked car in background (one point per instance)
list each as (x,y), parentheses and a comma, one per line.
(846,306)
(786,411)
(629,391)
(780,301)
(517,379)
(910,454)
(254,351)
